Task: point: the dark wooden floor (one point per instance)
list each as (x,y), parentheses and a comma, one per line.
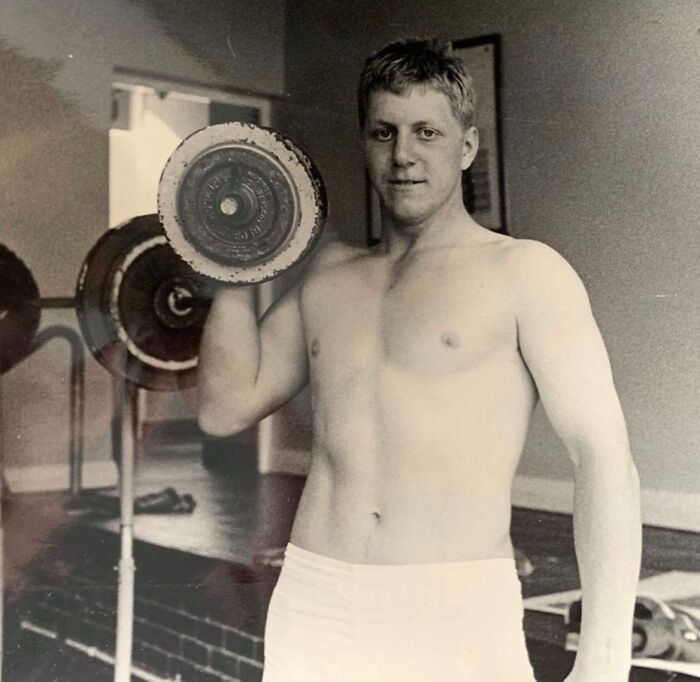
(239,516)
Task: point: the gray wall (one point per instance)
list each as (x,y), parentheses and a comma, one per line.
(57,65)
(601,146)
(58,62)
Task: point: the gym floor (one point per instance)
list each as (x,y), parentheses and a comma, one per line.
(226,544)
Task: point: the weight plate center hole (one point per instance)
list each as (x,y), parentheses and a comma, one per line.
(229,205)
(180,301)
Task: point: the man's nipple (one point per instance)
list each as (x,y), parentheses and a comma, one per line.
(450,339)
(315,348)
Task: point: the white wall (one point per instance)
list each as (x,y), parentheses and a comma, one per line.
(137,155)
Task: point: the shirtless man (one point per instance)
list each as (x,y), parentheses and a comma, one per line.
(426,357)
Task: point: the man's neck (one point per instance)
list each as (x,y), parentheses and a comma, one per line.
(444,229)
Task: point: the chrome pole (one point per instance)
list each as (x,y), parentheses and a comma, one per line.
(125,594)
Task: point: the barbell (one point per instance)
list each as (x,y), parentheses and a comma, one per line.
(237,203)
(141,308)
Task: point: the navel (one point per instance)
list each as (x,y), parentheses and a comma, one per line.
(450,339)
(315,348)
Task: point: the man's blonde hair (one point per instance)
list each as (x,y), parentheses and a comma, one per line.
(403,64)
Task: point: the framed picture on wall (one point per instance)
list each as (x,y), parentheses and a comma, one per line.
(483,184)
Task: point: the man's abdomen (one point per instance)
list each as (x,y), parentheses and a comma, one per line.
(416,470)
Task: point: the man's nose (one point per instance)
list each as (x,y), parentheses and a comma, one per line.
(403,151)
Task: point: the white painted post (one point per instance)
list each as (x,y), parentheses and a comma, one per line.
(127,568)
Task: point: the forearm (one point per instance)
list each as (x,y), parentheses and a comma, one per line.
(607,531)
(229,358)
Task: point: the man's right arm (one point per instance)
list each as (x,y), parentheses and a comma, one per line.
(247,369)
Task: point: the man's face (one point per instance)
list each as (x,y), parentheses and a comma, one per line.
(416,150)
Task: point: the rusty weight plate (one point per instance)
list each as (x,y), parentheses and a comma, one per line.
(241,203)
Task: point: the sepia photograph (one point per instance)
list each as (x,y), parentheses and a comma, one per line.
(349,342)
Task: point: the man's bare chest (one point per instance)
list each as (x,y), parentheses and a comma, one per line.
(433,321)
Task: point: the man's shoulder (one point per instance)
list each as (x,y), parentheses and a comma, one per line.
(511,258)
(530,253)
(332,253)
(531,260)
(540,273)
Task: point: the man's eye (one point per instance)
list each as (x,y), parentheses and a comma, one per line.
(427,133)
(382,134)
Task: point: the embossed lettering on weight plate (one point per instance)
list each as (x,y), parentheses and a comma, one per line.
(265,217)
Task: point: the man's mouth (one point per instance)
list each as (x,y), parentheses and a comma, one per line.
(405,183)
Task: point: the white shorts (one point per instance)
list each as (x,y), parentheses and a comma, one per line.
(331,621)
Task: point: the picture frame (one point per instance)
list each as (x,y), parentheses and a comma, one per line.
(483,183)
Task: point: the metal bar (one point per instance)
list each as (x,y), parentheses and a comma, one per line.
(125,594)
(77,397)
(117,417)
(56,302)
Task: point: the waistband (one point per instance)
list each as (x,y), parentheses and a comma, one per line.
(472,567)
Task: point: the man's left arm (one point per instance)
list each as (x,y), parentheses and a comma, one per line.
(563,349)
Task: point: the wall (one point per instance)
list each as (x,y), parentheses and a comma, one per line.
(58,61)
(600,134)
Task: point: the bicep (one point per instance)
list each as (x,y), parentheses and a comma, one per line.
(565,353)
(283,364)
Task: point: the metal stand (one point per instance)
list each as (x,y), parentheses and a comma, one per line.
(77,428)
(127,408)
(77,398)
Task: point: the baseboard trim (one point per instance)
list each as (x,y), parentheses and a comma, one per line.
(662,508)
(52,477)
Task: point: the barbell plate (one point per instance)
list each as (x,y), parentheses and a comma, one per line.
(241,203)
(20,311)
(141,308)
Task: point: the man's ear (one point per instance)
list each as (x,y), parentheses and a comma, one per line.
(470,148)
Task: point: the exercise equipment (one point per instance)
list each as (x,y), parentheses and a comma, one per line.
(142,308)
(20,310)
(20,315)
(664,631)
(237,203)
(241,203)
(659,630)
